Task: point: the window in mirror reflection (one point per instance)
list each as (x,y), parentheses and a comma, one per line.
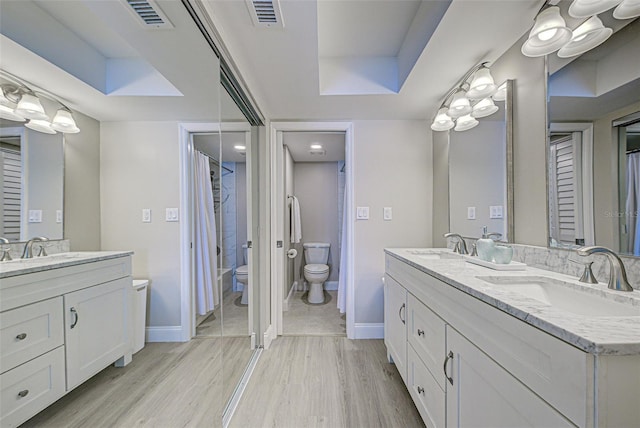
(11,185)
(629,178)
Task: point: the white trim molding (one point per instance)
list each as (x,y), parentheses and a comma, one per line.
(369,330)
(172,333)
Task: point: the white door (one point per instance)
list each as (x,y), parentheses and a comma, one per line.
(480,393)
(395,328)
(96,328)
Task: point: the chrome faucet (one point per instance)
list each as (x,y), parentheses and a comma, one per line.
(3,240)
(28,252)
(617,273)
(6,254)
(461,245)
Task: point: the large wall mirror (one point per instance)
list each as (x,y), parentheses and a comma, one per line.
(593,157)
(480,174)
(31,182)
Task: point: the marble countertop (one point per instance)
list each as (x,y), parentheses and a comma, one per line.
(56,261)
(602,335)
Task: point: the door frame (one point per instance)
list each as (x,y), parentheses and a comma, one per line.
(277,217)
(187,263)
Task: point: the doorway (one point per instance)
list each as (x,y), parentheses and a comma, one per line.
(290,311)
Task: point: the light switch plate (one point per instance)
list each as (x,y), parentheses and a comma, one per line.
(146,215)
(471,213)
(172,214)
(362,213)
(58,216)
(387,213)
(35,216)
(495,211)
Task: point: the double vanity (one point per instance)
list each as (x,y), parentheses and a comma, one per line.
(530,347)
(63,318)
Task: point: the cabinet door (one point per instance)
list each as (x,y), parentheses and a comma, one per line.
(395,328)
(481,393)
(96,328)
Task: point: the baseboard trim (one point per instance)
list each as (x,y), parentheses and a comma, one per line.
(369,330)
(269,336)
(164,334)
(331,285)
(292,289)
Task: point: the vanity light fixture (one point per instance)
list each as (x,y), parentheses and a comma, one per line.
(484,108)
(587,8)
(18,102)
(587,36)
(501,93)
(482,84)
(465,123)
(549,33)
(442,122)
(627,9)
(460,104)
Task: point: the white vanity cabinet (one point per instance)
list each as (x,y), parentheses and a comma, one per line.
(468,363)
(395,330)
(59,327)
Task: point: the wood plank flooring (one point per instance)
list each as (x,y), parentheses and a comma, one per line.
(318,381)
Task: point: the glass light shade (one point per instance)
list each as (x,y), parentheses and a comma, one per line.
(484,108)
(63,122)
(587,36)
(443,121)
(459,105)
(549,33)
(482,85)
(8,114)
(627,9)
(40,126)
(29,106)
(501,93)
(465,123)
(585,8)
(4,101)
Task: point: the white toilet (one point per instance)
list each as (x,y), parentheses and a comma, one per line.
(242,276)
(316,271)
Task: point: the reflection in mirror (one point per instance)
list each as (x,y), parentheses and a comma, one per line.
(31,181)
(592,99)
(479,168)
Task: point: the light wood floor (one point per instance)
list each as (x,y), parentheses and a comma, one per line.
(326,382)
(302,319)
(166,385)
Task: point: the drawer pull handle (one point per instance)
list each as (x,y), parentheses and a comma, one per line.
(420,390)
(446,360)
(23,393)
(420,332)
(21,336)
(75,317)
(400,314)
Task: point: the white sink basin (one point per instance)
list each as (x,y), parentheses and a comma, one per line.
(571,297)
(434,255)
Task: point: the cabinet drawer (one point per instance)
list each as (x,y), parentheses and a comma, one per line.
(428,396)
(427,336)
(30,331)
(31,387)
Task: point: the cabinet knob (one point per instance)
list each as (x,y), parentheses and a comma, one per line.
(420,332)
(23,393)
(21,336)
(420,390)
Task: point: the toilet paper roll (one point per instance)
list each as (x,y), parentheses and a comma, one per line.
(292,253)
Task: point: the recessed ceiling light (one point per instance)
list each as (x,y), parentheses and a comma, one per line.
(316,147)
(240,147)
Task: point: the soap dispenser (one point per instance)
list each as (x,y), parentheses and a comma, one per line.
(485,246)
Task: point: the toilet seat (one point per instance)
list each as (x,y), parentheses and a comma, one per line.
(316,268)
(244,269)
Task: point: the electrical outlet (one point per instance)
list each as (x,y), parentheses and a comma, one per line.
(146,215)
(387,213)
(471,213)
(172,214)
(362,213)
(35,216)
(58,216)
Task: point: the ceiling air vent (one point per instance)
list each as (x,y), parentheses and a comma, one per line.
(318,152)
(265,13)
(149,14)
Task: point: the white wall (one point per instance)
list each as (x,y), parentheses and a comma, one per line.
(290,274)
(317,191)
(241,210)
(82,185)
(392,168)
(139,169)
(440,188)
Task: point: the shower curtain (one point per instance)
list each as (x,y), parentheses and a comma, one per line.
(205,238)
(344,253)
(633,203)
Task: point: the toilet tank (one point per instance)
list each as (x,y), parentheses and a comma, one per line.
(316,252)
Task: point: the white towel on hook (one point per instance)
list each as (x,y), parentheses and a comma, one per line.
(296,225)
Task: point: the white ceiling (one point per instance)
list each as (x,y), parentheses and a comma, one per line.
(299,144)
(428,44)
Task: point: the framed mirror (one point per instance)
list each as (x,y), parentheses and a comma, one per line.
(594,119)
(481,174)
(31,182)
